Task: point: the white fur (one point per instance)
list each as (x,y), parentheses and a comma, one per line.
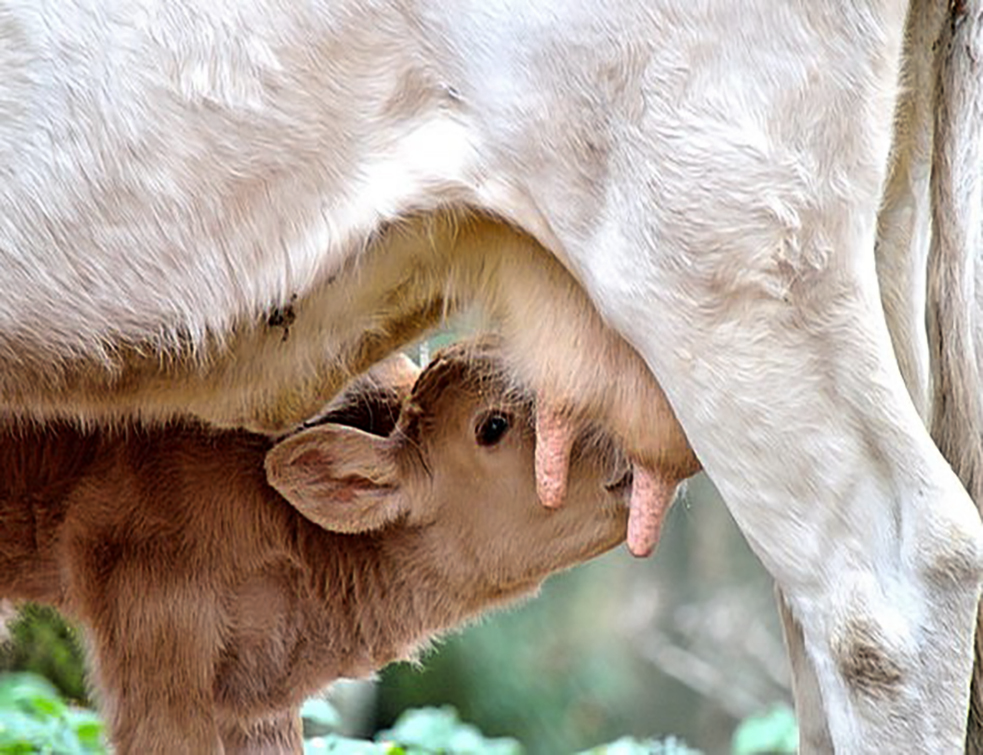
(710,172)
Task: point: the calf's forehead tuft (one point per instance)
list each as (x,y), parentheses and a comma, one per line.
(476,366)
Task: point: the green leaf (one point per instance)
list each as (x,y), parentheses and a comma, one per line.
(630,746)
(439,730)
(333,744)
(771,732)
(319,717)
(87,726)
(45,707)
(34,719)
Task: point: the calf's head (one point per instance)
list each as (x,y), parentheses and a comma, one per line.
(457,477)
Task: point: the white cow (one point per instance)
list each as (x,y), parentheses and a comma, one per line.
(210,203)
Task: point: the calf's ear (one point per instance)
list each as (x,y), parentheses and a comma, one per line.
(343,479)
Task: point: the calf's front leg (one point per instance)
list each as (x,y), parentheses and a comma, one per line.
(278,734)
(153,641)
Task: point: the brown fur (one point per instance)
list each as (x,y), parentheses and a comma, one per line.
(213,608)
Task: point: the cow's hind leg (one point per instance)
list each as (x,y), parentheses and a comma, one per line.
(904,220)
(798,412)
(759,313)
(953,271)
(814,738)
(901,253)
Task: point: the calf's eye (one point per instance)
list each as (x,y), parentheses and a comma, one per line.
(492,429)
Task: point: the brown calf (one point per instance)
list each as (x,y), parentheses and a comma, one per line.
(213,609)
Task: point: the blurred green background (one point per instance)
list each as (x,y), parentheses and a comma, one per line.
(686,642)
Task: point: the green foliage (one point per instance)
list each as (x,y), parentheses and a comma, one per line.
(44,643)
(629,746)
(428,731)
(34,719)
(774,732)
(319,717)
(439,730)
(334,744)
(556,694)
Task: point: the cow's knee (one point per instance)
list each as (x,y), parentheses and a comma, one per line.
(948,548)
(871,665)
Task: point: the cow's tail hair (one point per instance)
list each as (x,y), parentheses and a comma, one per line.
(955,262)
